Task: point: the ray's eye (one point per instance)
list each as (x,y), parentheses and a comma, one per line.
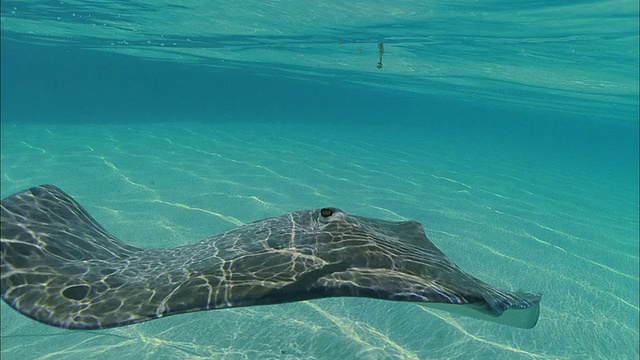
(326,212)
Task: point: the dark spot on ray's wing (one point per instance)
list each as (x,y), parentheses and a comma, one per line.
(62,268)
(76,292)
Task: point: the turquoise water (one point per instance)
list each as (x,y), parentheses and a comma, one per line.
(510,132)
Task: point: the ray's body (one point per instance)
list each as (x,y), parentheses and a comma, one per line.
(62,268)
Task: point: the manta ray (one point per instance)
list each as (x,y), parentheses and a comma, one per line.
(62,268)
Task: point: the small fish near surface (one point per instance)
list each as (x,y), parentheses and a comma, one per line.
(60,267)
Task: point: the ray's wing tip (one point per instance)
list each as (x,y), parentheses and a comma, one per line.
(35,191)
(529,298)
(46,188)
(523,313)
(523,300)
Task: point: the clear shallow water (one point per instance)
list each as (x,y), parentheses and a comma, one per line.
(528,182)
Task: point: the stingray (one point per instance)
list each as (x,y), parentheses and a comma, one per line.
(60,267)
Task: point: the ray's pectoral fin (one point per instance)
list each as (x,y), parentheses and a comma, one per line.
(520,317)
(478,300)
